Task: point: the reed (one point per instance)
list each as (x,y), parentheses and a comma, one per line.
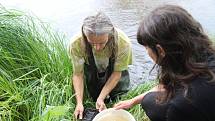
(35,70)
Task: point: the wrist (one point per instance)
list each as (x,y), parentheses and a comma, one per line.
(100,98)
(134,101)
(79,103)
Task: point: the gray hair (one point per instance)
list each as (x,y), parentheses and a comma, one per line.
(97,24)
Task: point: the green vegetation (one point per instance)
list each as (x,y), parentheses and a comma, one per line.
(35,72)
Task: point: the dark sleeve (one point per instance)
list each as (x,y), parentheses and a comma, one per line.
(174,114)
(183,111)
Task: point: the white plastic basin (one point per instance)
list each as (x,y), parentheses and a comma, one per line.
(114,115)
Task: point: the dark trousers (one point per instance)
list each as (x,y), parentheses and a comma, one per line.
(95,84)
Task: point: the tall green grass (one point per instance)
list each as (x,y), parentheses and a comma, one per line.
(35,72)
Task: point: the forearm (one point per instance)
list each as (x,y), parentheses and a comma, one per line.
(78,87)
(110,84)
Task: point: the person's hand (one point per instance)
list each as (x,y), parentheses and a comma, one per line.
(79,111)
(124,104)
(100,105)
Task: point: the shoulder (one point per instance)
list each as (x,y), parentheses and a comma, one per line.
(123,40)
(76,46)
(122,36)
(197,104)
(75,41)
(200,88)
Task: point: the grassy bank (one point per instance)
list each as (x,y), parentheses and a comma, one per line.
(35,72)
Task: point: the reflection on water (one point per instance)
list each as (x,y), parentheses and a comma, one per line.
(67,16)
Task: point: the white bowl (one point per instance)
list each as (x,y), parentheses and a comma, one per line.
(114,115)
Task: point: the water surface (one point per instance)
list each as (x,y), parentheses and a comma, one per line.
(67,16)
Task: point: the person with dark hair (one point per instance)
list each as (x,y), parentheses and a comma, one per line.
(100,57)
(185,59)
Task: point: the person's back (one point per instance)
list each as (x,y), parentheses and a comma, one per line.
(197,106)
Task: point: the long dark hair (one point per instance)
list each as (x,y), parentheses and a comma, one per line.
(111,44)
(185,44)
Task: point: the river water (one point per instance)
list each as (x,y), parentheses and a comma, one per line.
(67,16)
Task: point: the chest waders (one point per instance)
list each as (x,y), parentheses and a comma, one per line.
(95,81)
